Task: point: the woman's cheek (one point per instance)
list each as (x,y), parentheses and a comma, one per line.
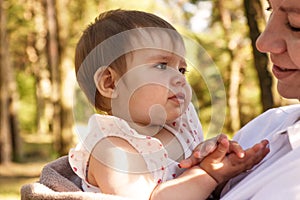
(295,52)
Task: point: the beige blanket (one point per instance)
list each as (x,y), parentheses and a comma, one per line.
(58,181)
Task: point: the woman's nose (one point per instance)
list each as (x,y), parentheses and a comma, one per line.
(272,39)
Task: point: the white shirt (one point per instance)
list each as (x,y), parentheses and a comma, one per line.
(278,175)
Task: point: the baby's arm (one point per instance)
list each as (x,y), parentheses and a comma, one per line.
(219,165)
(118,169)
(112,169)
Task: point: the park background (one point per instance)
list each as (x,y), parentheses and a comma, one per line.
(37,79)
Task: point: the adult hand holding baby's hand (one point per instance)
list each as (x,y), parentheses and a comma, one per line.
(222,165)
(208,146)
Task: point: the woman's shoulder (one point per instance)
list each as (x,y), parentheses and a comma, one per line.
(274,115)
(283,110)
(268,123)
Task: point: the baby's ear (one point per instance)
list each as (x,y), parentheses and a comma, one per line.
(105,78)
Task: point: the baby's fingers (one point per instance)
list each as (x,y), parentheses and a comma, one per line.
(200,152)
(205,148)
(221,151)
(234,147)
(189,162)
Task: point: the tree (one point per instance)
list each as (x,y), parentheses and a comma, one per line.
(5,139)
(53,53)
(234,67)
(67,75)
(9,131)
(61,68)
(253,10)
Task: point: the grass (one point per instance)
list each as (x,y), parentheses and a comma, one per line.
(36,153)
(14,175)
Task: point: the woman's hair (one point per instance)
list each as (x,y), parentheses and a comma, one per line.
(106,25)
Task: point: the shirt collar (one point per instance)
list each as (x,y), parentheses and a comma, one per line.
(294,134)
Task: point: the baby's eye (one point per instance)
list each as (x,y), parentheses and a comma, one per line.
(161,66)
(182,70)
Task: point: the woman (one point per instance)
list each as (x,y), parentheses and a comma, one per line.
(277,176)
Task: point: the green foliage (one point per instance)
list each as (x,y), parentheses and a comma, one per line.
(82,109)
(79,14)
(20,27)
(146,5)
(223,44)
(27,105)
(250,103)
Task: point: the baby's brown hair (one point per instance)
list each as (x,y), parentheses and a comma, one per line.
(108,24)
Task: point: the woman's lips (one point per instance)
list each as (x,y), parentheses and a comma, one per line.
(281,73)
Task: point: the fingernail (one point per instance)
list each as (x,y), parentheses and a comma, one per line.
(197,154)
(242,155)
(179,165)
(265,141)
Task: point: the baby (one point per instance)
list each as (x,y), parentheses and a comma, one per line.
(130,65)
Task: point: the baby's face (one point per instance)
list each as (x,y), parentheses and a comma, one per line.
(154,89)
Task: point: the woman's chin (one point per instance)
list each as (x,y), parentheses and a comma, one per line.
(289,92)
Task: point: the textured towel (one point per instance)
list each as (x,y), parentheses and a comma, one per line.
(58,181)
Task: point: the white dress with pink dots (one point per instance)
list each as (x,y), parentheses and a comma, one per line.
(187,129)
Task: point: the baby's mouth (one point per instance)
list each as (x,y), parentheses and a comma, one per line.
(179,97)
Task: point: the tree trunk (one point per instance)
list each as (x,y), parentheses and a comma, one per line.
(67,123)
(54,62)
(253,9)
(234,69)
(233,101)
(10,144)
(67,77)
(5,137)
(38,59)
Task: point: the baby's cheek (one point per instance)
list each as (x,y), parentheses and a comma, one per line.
(188,90)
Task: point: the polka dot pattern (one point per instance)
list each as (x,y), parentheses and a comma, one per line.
(186,129)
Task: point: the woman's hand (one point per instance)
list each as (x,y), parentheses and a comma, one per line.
(208,146)
(222,165)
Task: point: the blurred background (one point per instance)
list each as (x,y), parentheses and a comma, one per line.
(37,79)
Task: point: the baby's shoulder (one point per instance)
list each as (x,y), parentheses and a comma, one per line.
(118,133)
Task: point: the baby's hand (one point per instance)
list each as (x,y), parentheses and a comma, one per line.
(222,166)
(208,146)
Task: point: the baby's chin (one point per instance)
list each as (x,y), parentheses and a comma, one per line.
(174,116)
